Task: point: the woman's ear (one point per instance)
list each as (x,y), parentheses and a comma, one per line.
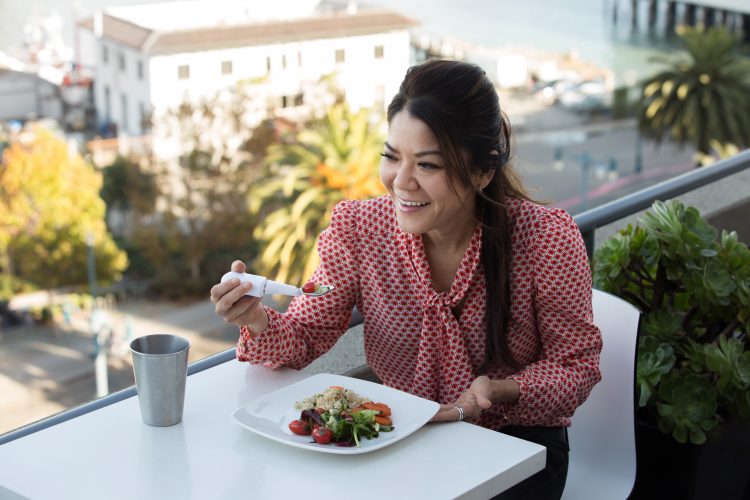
(483,180)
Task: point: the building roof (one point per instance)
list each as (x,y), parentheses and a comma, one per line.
(119,30)
(330,25)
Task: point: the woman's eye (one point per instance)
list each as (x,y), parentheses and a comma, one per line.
(428,166)
(388,156)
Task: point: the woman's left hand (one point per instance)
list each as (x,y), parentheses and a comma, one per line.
(476,399)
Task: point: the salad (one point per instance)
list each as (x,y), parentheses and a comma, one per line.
(341,417)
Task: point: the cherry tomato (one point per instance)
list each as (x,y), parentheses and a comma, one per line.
(322,435)
(299,427)
(308,287)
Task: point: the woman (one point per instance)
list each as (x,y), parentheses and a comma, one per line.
(472,295)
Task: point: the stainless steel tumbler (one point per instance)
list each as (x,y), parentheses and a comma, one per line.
(160,368)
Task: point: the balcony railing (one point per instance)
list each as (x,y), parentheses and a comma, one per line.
(602,215)
(587,221)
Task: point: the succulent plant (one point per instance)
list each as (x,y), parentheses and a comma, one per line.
(693,288)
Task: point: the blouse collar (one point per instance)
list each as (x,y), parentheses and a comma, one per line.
(413,244)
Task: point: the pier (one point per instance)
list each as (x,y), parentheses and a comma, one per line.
(665,15)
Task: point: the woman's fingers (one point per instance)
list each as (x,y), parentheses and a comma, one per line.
(446,413)
(220,290)
(227,300)
(240,309)
(230,301)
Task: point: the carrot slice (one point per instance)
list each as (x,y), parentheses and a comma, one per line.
(382,408)
(383,420)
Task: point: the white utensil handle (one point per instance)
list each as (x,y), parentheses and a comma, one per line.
(262,285)
(259,282)
(274,287)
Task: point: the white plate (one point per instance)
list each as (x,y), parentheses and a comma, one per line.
(269,415)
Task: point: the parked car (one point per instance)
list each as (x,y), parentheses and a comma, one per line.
(550,91)
(587,97)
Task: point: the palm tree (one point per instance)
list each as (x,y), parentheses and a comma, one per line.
(333,159)
(704,96)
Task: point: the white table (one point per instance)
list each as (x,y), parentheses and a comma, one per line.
(111,454)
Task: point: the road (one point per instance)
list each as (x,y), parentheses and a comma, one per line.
(541,131)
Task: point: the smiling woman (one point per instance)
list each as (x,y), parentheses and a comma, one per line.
(472,295)
(413,172)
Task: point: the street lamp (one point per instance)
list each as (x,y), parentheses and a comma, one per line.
(91,263)
(585,166)
(559,164)
(99,324)
(638,153)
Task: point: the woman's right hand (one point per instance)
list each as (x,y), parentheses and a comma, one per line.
(235,307)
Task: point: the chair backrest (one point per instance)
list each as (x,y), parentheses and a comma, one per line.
(602,434)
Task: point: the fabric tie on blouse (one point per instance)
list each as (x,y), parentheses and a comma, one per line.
(444,369)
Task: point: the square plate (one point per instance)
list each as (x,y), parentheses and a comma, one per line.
(269,415)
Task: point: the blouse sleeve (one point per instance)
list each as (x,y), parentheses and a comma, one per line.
(312,325)
(568,369)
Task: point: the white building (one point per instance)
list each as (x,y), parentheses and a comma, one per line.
(149,58)
(26,96)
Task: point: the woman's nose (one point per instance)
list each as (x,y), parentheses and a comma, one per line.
(405,178)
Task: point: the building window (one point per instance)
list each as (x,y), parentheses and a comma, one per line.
(140,70)
(107,104)
(340,56)
(226,68)
(183,72)
(105,54)
(124,112)
(299,59)
(121,61)
(289,101)
(268,64)
(283,61)
(142,117)
(378,52)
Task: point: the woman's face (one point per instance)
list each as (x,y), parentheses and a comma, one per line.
(413,171)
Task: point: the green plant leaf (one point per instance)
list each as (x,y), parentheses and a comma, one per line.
(689,405)
(654,361)
(663,324)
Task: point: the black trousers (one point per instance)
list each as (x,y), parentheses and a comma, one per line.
(547,484)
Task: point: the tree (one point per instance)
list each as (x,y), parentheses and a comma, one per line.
(202,221)
(130,194)
(331,159)
(704,96)
(49,209)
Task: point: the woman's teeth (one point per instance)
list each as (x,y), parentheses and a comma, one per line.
(413,203)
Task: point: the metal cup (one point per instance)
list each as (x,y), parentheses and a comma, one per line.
(160,368)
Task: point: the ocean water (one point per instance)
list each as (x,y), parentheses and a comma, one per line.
(583,26)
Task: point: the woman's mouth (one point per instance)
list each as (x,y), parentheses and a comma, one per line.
(411,205)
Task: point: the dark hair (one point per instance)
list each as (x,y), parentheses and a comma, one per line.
(459,104)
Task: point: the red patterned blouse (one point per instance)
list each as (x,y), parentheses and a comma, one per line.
(413,341)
